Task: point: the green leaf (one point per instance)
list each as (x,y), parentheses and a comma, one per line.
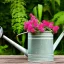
(58,1)
(40,10)
(35,11)
(60,20)
(57,15)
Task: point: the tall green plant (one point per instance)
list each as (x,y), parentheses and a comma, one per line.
(19,15)
(38,11)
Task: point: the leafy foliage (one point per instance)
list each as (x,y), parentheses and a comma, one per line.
(3,49)
(5,17)
(50,8)
(19,15)
(5,22)
(30,4)
(58,2)
(62,5)
(59,18)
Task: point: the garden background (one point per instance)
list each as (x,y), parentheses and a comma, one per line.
(13,14)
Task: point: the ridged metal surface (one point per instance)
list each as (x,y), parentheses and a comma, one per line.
(40,47)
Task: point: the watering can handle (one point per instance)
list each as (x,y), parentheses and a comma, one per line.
(22,33)
(23,38)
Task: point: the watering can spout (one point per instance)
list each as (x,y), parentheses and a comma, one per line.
(20,48)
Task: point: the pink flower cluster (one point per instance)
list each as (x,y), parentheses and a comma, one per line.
(33,25)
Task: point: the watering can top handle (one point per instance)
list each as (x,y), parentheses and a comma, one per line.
(22,33)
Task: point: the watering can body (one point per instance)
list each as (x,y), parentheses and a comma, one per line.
(40,47)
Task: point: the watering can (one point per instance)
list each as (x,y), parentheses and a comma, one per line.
(25,51)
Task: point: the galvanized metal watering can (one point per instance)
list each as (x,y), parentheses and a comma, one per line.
(36,50)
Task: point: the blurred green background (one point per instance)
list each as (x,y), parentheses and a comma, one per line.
(13,14)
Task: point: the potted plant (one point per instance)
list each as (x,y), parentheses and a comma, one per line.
(40,39)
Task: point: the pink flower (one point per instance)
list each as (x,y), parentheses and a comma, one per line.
(46,23)
(30,22)
(41,27)
(32,16)
(33,30)
(34,26)
(30,28)
(35,23)
(25,25)
(51,25)
(55,29)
